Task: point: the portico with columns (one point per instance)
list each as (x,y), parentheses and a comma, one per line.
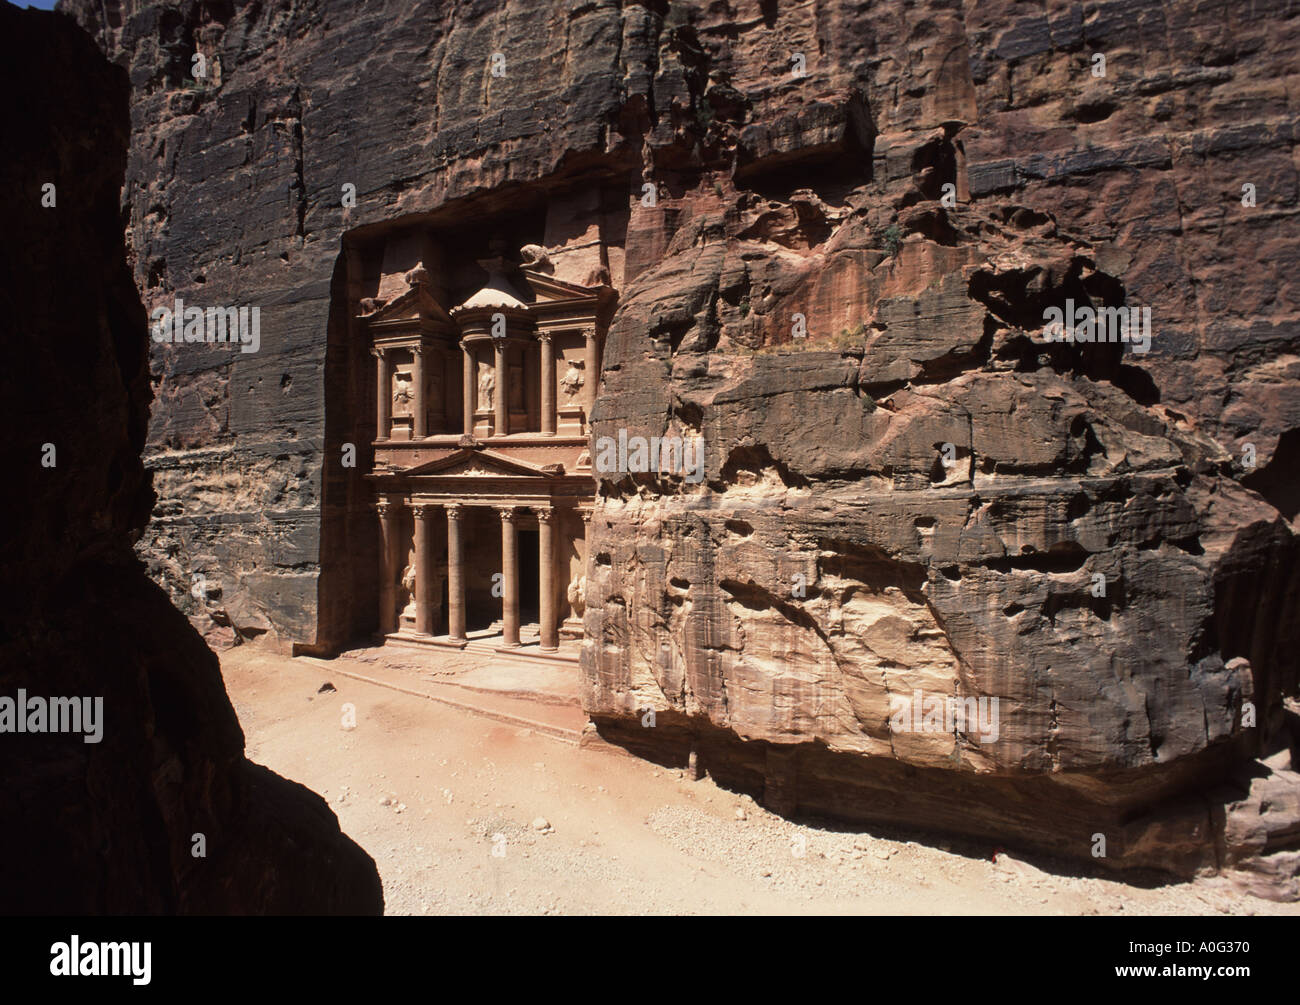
(482,478)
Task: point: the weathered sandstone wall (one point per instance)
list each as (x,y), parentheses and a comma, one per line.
(920,494)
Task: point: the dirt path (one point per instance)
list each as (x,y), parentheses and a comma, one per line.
(446,801)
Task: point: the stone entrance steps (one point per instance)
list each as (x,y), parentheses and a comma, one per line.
(529,650)
(488,643)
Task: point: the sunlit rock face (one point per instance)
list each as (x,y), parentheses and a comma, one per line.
(847,228)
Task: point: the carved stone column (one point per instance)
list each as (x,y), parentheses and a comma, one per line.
(424,579)
(548,384)
(592,365)
(469,391)
(421,424)
(509,576)
(388,567)
(383,395)
(499,396)
(546,579)
(455,573)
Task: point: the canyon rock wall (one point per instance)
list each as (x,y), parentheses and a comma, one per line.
(112,826)
(856,218)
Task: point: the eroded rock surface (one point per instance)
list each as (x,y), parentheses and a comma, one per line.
(113,826)
(861,213)
(922,496)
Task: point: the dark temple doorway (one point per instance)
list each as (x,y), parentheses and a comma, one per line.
(529,568)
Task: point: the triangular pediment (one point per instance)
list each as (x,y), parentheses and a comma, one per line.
(416,304)
(549,288)
(477,462)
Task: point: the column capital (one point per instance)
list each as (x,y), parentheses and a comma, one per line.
(544,337)
(545,513)
(418,348)
(508,513)
(454,510)
(424,510)
(384,508)
(378,351)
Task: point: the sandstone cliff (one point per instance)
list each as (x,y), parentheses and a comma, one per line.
(112,826)
(861,214)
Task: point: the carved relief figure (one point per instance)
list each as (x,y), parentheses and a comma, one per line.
(408,584)
(486,385)
(577,594)
(403,393)
(571,382)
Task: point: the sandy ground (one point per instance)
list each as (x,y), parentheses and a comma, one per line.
(451,806)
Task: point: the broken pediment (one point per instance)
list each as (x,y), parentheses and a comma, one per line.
(548,288)
(415,306)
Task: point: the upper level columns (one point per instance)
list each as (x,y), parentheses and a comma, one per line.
(592,366)
(383,394)
(469,390)
(548,384)
(420,425)
(500,394)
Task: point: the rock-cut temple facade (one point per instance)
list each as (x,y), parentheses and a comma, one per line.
(482,479)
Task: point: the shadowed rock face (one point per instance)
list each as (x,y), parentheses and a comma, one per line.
(919,495)
(109,827)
